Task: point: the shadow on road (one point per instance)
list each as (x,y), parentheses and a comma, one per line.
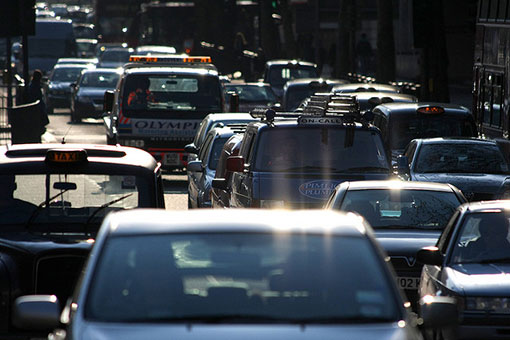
(175,184)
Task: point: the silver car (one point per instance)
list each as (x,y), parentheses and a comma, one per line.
(233,274)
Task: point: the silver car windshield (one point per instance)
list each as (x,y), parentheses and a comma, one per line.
(247,277)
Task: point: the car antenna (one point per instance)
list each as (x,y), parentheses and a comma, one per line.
(65,135)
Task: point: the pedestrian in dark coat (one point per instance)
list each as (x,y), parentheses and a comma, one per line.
(34,93)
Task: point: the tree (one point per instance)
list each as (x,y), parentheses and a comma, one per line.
(385,42)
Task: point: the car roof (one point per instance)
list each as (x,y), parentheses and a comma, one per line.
(405,108)
(307,81)
(23,156)
(456,140)
(170,69)
(227,130)
(157,221)
(80,66)
(293,122)
(235,83)
(117,70)
(399,185)
(225,116)
(289,61)
(486,206)
(375,86)
(369,95)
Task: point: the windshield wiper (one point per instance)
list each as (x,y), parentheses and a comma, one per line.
(106,205)
(43,204)
(367,168)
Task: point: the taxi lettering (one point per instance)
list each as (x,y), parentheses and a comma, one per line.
(320,120)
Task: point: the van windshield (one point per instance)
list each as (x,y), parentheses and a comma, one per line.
(316,149)
(405,128)
(181,92)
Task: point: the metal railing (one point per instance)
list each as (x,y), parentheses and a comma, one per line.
(5,106)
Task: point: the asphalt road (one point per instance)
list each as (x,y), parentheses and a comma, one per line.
(92,131)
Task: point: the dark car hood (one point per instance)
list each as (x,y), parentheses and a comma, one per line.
(97,92)
(475,279)
(406,242)
(305,188)
(486,183)
(35,243)
(248,332)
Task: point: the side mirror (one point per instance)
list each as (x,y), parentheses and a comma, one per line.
(403,165)
(36,312)
(430,255)
(194,166)
(108,101)
(235,164)
(191,148)
(220,183)
(438,311)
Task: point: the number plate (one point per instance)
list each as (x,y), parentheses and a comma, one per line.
(408,282)
(171,159)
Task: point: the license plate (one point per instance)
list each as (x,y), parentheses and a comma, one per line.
(408,282)
(171,159)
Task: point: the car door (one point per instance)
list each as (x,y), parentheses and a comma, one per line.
(242,182)
(195,177)
(433,277)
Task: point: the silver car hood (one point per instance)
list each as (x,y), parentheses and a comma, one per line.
(102,331)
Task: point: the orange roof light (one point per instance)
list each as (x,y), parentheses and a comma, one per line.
(430,110)
(167,59)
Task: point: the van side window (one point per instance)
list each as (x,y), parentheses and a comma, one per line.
(410,150)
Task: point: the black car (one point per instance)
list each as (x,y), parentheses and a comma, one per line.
(53,200)
(88,96)
(251,95)
(277,72)
(57,90)
(476,166)
(296,90)
(402,122)
(406,216)
(471,262)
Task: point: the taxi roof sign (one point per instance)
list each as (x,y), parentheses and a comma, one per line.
(430,110)
(165,59)
(71,156)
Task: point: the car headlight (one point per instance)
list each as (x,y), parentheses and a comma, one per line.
(137,143)
(272,204)
(494,304)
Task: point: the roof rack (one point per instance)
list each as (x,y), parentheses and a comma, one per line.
(343,108)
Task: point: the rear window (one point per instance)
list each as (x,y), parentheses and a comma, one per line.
(316,149)
(279,75)
(404,128)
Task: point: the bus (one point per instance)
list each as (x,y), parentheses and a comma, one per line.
(491,78)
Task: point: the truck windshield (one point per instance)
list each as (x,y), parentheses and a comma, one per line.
(184,92)
(315,149)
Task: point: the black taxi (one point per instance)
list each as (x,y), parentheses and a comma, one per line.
(53,200)
(295,160)
(402,122)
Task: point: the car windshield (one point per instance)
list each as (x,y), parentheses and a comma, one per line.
(483,238)
(66,74)
(252,93)
(115,56)
(405,128)
(99,79)
(279,75)
(240,277)
(68,198)
(317,149)
(397,209)
(178,92)
(460,158)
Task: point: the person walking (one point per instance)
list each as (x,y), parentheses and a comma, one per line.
(33,94)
